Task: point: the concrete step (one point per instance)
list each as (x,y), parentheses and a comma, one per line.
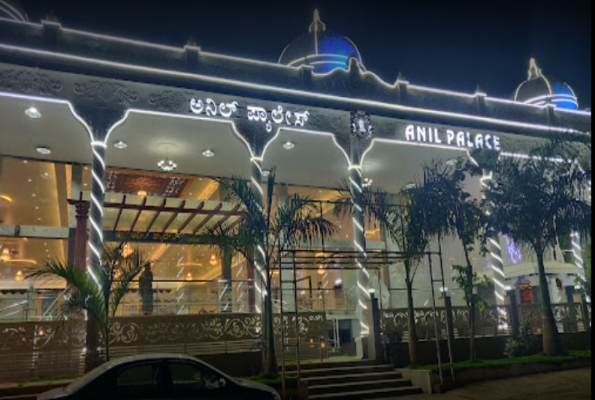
(365,377)
(351,387)
(368,394)
(329,364)
(350,370)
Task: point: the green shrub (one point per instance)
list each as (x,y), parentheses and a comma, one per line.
(523,344)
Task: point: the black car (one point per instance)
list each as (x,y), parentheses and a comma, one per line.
(159,376)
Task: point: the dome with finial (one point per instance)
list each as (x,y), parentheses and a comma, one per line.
(321,48)
(12,9)
(539,89)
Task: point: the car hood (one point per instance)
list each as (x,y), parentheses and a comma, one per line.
(52,394)
(255,385)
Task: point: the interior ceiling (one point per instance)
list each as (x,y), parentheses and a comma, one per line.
(314,161)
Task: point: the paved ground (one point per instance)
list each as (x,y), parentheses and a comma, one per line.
(564,385)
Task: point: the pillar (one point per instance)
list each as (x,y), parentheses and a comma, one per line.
(225,291)
(80,242)
(1,159)
(362,274)
(76,183)
(511,301)
(260,277)
(96,215)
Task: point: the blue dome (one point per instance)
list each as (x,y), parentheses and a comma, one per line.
(539,90)
(322,49)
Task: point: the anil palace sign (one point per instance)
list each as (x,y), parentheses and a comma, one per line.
(452,137)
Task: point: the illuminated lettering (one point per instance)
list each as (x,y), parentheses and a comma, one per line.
(421,134)
(479,141)
(459,139)
(410,133)
(450,136)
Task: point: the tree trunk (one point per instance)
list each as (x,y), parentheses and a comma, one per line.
(551,339)
(413,340)
(92,358)
(270,365)
(470,305)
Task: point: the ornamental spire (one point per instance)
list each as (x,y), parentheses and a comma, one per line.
(317,25)
(534,72)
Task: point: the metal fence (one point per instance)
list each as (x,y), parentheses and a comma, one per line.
(54,349)
(491,321)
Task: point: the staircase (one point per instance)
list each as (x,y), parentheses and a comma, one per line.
(353,380)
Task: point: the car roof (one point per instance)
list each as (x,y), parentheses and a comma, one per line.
(146,357)
(116,362)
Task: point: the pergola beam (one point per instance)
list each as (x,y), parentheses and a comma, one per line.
(208,218)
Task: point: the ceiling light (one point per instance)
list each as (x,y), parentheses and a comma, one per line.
(167,165)
(213,260)
(288,145)
(409,186)
(452,162)
(120,145)
(5,256)
(208,153)
(189,276)
(44,150)
(320,269)
(19,276)
(142,193)
(32,112)
(266,172)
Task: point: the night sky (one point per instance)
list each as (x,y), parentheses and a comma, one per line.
(445,44)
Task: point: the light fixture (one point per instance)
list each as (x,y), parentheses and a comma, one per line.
(208,153)
(452,161)
(367,182)
(5,198)
(213,260)
(320,269)
(44,150)
(120,145)
(189,276)
(409,186)
(5,256)
(288,145)
(166,164)
(266,172)
(32,112)
(141,193)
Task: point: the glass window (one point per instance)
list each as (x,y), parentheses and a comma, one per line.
(190,378)
(139,380)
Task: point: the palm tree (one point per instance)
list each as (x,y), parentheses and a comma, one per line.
(408,225)
(98,294)
(534,201)
(466,219)
(264,234)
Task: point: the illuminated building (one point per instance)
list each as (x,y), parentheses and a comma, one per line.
(143,130)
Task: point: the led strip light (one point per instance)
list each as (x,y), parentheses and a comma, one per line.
(359,238)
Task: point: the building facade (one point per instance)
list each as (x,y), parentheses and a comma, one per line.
(129,138)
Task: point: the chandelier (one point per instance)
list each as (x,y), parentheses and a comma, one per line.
(167,164)
(189,276)
(213,261)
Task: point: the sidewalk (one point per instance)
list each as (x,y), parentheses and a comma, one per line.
(563,385)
